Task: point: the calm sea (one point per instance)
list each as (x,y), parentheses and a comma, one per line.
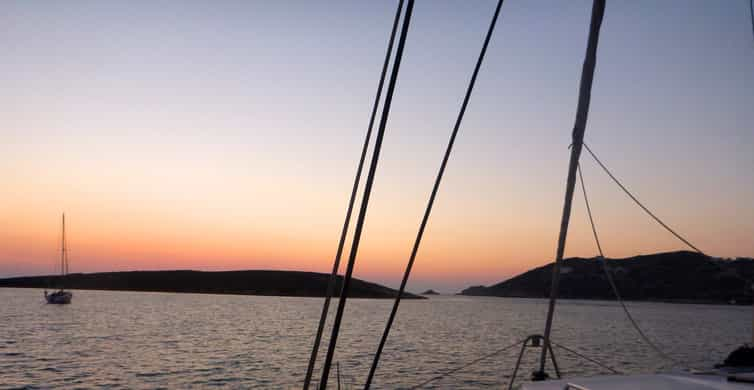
(154,340)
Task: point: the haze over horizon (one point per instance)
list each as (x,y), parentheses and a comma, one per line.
(190,135)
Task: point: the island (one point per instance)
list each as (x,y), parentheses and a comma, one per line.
(430,292)
(278,283)
(670,277)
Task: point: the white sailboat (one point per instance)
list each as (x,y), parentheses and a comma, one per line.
(61,296)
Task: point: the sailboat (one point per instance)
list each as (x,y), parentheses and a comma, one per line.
(61,297)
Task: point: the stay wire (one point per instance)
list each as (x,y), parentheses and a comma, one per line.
(365,197)
(641,205)
(611,281)
(475,361)
(587,358)
(349,211)
(433,195)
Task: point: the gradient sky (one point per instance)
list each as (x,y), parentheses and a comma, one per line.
(225,134)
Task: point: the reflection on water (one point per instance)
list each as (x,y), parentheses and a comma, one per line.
(151,340)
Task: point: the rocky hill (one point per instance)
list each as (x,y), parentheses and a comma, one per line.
(674,276)
(285,283)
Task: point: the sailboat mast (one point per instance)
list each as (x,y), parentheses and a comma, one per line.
(63,254)
(582,112)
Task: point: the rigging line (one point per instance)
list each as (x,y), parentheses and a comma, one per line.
(591,220)
(585,90)
(475,361)
(610,279)
(646,210)
(433,195)
(603,365)
(349,211)
(367,192)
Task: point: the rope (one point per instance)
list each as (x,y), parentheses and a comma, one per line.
(367,192)
(349,211)
(646,210)
(591,220)
(579,127)
(603,365)
(475,361)
(610,279)
(433,195)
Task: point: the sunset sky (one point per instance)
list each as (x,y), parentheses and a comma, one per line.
(222,135)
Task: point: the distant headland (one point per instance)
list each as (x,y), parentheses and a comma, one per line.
(278,283)
(672,277)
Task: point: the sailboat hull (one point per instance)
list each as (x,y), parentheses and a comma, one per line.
(59,297)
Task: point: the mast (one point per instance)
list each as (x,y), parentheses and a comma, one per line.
(63,252)
(582,112)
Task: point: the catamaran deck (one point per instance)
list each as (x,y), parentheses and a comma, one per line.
(648,382)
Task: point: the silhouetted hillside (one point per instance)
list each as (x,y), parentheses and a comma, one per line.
(675,276)
(285,283)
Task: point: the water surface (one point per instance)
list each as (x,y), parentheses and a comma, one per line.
(158,340)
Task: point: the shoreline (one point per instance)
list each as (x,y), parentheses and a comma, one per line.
(674,301)
(236,293)
(259,282)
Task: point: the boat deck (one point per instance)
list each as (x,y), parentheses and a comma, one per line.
(684,381)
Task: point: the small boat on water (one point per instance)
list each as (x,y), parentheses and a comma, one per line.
(61,297)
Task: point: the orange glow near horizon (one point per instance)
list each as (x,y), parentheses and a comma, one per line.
(145,230)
